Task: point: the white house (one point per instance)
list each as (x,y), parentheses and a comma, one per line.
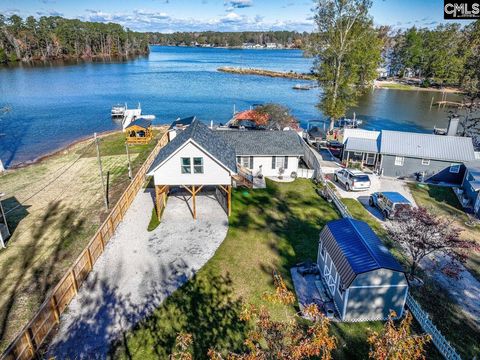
(198,157)
(266,153)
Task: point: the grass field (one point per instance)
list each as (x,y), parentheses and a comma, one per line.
(445,314)
(273,228)
(443,202)
(53,208)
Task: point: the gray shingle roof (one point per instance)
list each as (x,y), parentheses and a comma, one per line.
(206,138)
(355,249)
(263,142)
(361,144)
(143,123)
(427,146)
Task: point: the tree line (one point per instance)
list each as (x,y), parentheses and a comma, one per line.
(442,55)
(230,39)
(54,37)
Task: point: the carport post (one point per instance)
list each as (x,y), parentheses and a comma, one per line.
(194,204)
(229,199)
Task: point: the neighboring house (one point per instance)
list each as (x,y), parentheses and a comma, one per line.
(249,119)
(362,276)
(439,158)
(433,158)
(469,193)
(139,131)
(265,152)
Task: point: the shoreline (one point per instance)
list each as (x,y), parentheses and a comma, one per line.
(396,85)
(67,147)
(264,72)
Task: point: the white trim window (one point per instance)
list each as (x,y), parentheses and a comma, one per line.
(279,162)
(198,165)
(426,162)
(455,168)
(186,164)
(340,291)
(322,251)
(399,160)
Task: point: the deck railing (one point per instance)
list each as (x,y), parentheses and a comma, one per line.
(26,345)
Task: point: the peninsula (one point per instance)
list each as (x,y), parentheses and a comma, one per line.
(263,72)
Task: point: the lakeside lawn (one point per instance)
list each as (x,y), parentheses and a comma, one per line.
(273,228)
(445,314)
(442,201)
(50,229)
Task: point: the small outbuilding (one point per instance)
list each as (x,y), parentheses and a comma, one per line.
(363,278)
(469,192)
(139,131)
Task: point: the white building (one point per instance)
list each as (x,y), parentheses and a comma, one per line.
(198,157)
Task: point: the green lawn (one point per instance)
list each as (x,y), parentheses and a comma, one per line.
(269,229)
(445,314)
(442,201)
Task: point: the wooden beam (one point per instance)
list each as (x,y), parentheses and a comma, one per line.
(186,188)
(194,204)
(224,188)
(229,199)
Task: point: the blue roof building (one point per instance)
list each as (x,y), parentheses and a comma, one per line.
(363,278)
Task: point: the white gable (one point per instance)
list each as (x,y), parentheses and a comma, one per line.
(170,171)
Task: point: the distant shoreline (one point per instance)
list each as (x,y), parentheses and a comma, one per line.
(225,47)
(268,73)
(396,85)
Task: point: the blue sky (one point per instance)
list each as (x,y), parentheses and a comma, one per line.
(219,15)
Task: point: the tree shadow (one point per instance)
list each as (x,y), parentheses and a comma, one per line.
(15,212)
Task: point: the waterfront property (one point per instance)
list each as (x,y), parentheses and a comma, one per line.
(428,157)
(139,132)
(266,153)
(198,157)
(363,278)
(469,192)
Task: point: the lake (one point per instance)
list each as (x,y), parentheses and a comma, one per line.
(52,105)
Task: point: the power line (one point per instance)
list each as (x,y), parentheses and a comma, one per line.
(53,180)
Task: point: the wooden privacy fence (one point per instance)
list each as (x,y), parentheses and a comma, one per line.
(27,343)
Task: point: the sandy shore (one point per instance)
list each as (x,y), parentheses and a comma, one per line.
(396,85)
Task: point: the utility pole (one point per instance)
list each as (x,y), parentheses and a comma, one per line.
(129,164)
(105,197)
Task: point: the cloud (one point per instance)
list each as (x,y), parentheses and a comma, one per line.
(150,20)
(238,4)
(48,13)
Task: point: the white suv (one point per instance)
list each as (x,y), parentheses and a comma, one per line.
(352,179)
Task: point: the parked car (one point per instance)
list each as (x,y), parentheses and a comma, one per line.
(352,179)
(388,203)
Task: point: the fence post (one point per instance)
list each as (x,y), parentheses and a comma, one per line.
(31,344)
(90,261)
(74,281)
(53,305)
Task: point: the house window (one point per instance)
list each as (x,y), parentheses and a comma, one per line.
(399,160)
(279,162)
(340,289)
(425,162)
(322,251)
(198,165)
(186,166)
(455,168)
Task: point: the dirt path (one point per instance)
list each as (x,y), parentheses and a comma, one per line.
(137,271)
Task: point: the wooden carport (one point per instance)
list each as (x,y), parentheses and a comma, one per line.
(161,193)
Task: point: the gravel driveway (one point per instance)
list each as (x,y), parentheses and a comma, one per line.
(137,271)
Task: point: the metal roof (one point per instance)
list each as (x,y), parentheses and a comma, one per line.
(427,146)
(362,144)
(355,249)
(141,122)
(475,185)
(263,142)
(473,168)
(395,197)
(182,122)
(359,133)
(203,136)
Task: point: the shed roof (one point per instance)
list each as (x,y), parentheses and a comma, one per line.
(182,122)
(203,136)
(359,133)
(140,122)
(427,146)
(362,144)
(355,249)
(263,142)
